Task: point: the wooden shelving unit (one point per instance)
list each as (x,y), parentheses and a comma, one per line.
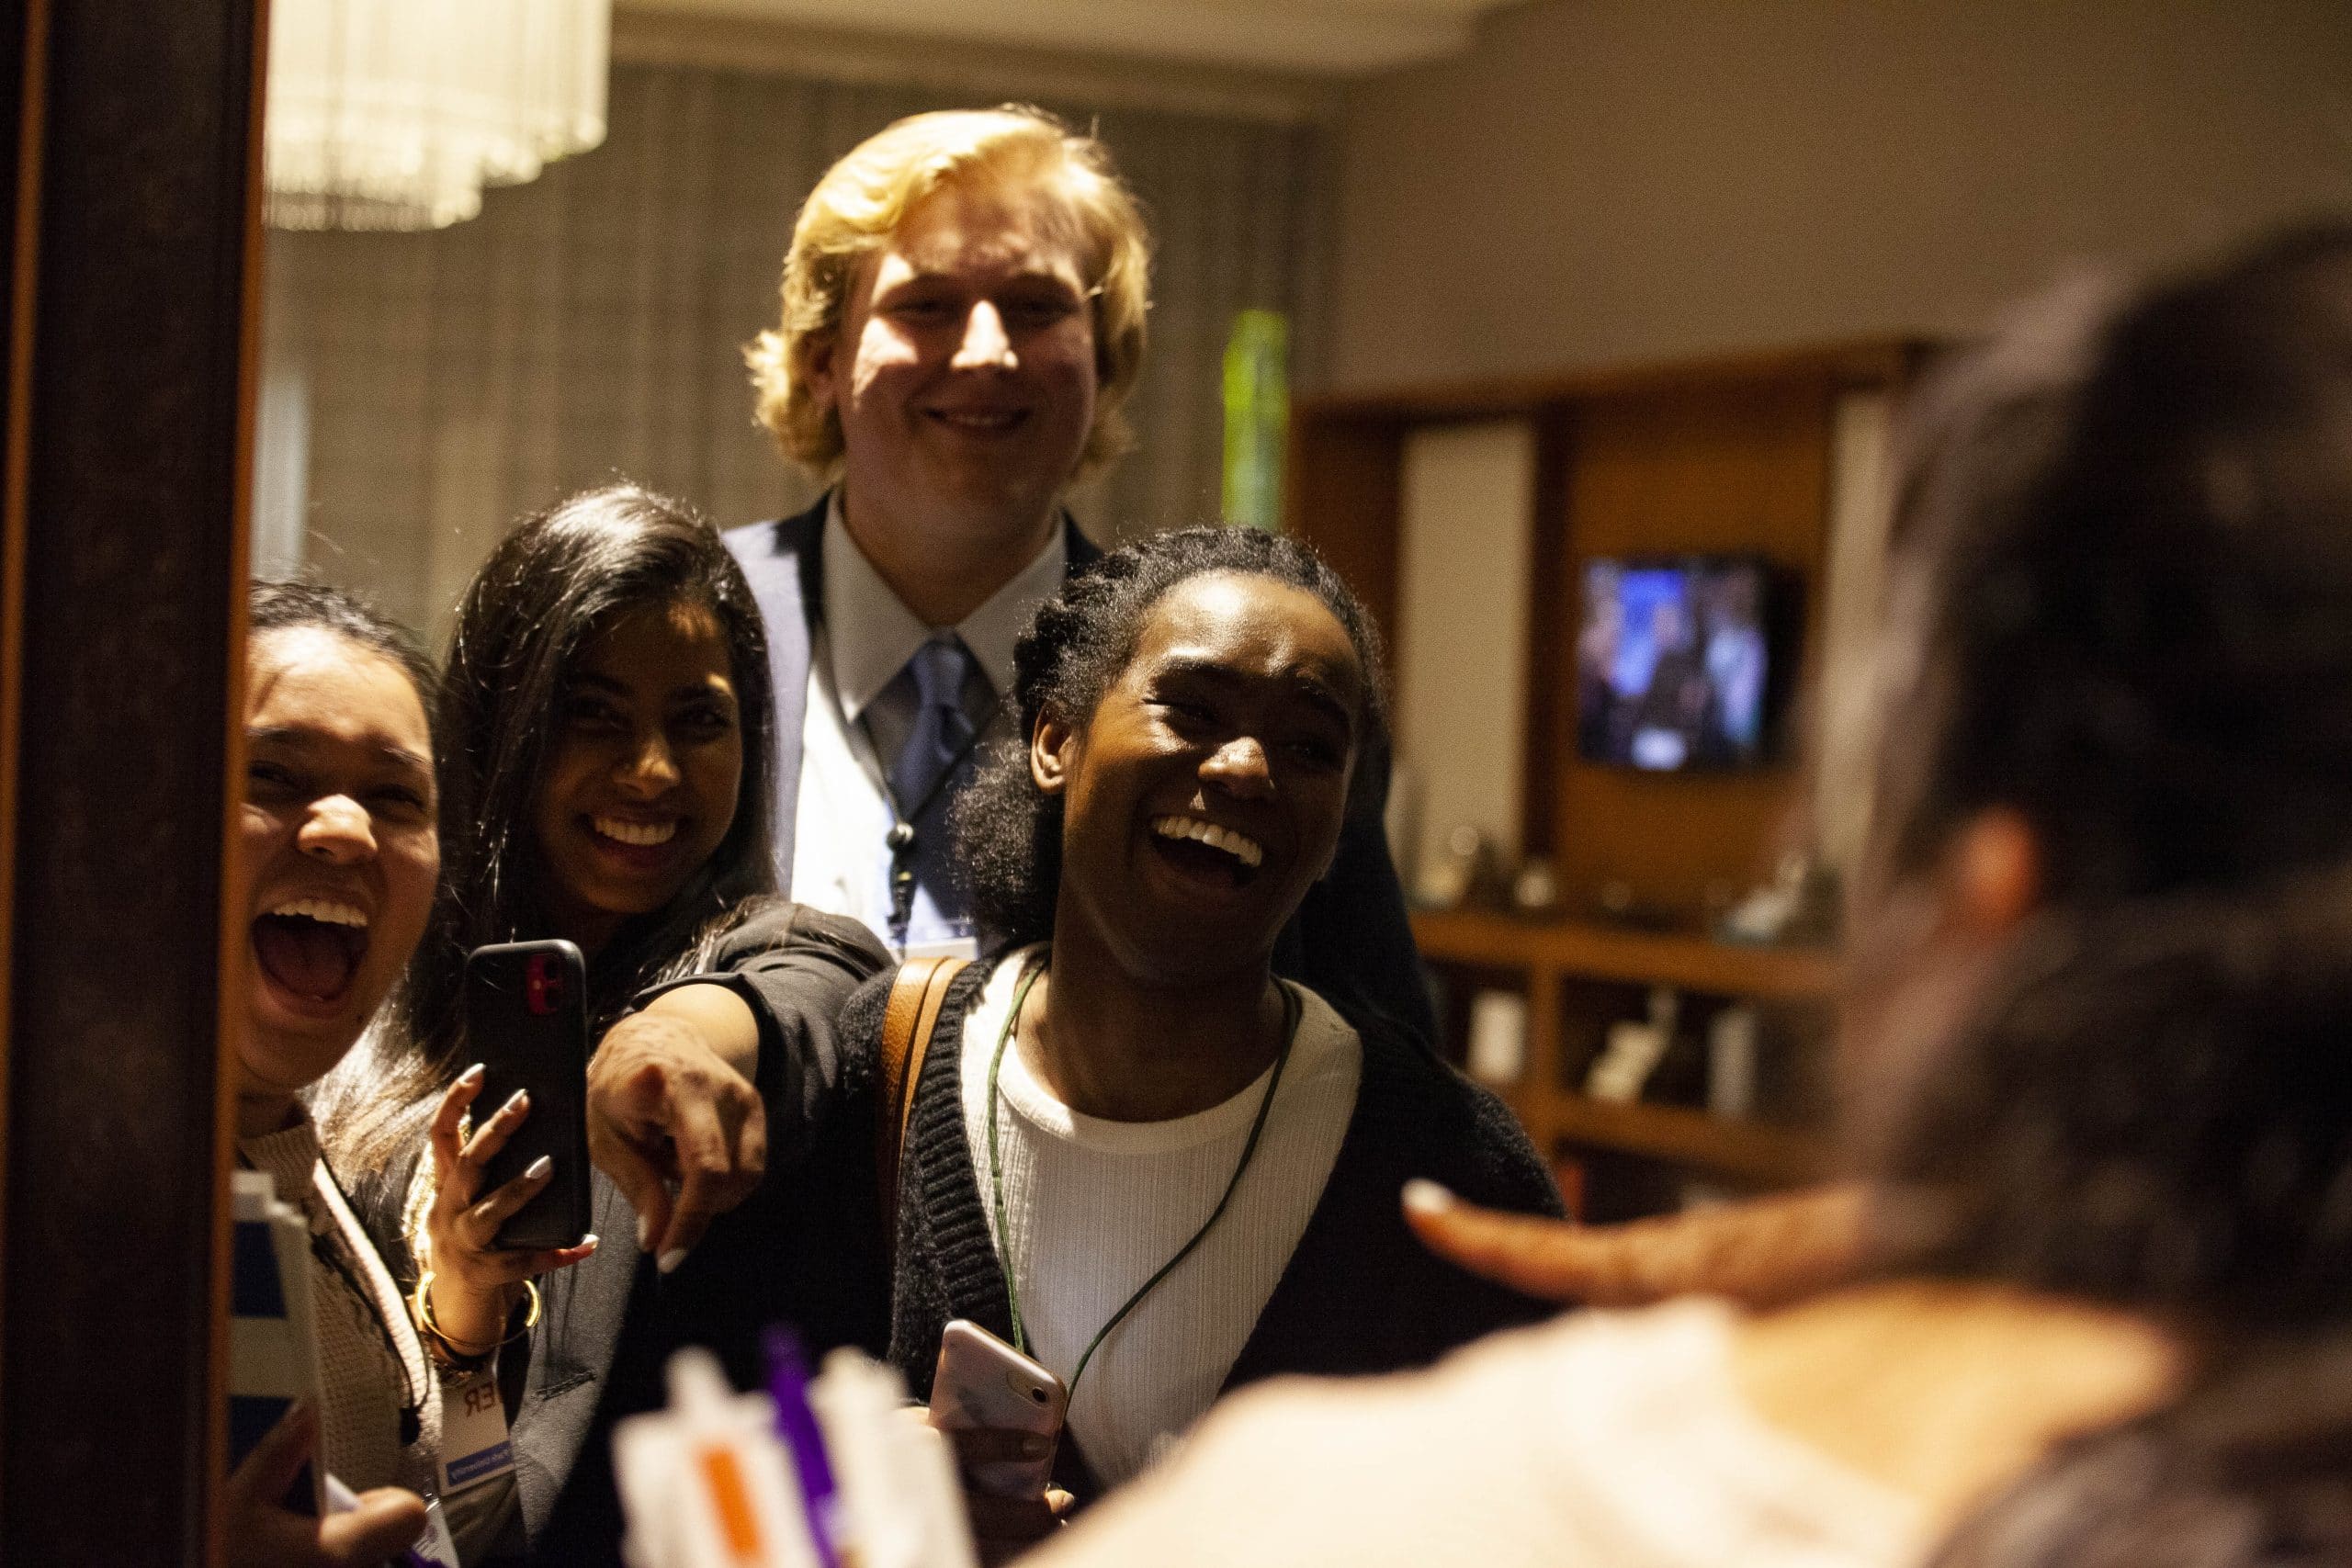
(1548,955)
(1740,455)
(1750,1153)
(1636,958)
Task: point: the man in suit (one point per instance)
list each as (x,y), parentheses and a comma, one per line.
(963,318)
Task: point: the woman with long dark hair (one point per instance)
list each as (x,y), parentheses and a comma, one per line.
(607,749)
(511,708)
(2093,1045)
(338,851)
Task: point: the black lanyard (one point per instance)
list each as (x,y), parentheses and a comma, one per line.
(901,839)
(1290,1014)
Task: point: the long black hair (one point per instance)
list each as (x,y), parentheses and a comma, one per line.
(2170,1076)
(559,578)
(2149,1106)
(1008,831)
(2124,610)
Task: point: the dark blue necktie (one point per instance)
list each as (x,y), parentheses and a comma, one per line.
(934,763)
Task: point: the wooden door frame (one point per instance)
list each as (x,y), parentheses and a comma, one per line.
(131,348)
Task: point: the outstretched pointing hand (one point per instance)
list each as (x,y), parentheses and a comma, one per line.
(1761,1253)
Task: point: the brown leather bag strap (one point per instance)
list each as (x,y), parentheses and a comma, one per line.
(908,1019)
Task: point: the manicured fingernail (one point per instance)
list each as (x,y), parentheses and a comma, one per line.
(1034,1446)
(644,1234)
(519,1101)
(471,1076)
(588,1242)
(1423,1196)
(669,1261)
(539,1168)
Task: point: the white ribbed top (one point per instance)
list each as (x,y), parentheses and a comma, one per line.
(1096,1207)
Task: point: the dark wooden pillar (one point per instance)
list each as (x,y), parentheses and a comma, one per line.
(130,339)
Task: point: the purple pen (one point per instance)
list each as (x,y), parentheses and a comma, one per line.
(797,1428)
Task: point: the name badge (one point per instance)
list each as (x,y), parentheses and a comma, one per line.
(474,1446)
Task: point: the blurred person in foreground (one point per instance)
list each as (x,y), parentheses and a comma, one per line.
(2092,1046)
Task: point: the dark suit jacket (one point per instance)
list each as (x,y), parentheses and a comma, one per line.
(1350,942)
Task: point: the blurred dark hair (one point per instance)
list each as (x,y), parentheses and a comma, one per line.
(558,579)
(2125,576)
(2150,1107)
(2252,1468)
(2122,584)
(2123,608)
(285,606)
(1008,831)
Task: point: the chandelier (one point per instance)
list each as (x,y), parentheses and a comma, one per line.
(394,114)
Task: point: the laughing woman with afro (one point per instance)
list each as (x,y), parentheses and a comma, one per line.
(1132,1150)
(1127,1148)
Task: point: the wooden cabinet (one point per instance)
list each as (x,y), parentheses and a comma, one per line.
(1578,976)
(1732,456)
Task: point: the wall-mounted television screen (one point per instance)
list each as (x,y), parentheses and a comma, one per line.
(1675,661)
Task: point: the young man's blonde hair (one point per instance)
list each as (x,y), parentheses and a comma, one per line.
(863,199)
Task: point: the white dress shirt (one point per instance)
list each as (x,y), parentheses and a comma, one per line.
(857,720)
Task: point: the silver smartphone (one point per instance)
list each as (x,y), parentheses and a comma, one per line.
(984,1382)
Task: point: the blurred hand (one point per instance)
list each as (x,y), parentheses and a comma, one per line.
(1004,1528)
(1761,1253)
(475,1284)
(672,1104)
(260,1534)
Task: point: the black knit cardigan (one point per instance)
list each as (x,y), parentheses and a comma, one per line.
(1360,1294)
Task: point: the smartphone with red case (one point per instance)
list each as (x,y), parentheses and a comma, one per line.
(526,1023)
(984,1382)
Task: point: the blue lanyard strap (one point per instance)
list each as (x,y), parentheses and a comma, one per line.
(1290,1014)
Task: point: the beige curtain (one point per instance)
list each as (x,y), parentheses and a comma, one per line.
(422,390)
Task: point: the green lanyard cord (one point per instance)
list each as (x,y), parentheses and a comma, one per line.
(1290,1013)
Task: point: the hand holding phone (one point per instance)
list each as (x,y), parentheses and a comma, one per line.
(474,1284)
(526,1023)
(983,1383)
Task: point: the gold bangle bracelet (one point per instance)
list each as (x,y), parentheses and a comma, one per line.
(422,1305)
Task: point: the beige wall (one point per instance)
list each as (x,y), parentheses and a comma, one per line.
(1461,640)
(1611,180)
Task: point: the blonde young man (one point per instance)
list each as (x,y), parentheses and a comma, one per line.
(963,320)
(963,308)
